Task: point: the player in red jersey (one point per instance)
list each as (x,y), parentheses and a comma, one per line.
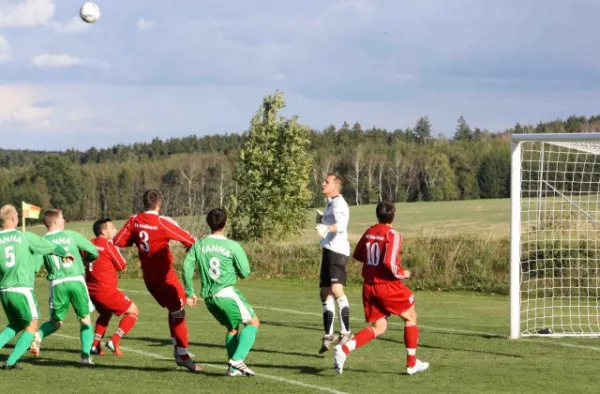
(384,293)
(102,281)
(151,233)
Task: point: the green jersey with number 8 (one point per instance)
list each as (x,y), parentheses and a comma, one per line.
(19,257)
(220,260)
(74,243)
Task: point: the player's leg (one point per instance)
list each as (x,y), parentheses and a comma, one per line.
(337,273)
(376,315)
(328,303)
(14,325)
(59,306)
(231,309)
(130,317)
(99,330)
(411,338)
(174,296)
(25,314)
(83,306)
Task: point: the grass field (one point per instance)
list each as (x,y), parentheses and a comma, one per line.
(461,336)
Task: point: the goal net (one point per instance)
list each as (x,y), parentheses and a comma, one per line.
(555,235)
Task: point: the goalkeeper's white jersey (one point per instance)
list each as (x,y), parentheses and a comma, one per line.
(337,212)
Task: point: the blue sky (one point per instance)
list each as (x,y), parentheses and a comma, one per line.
(151,69)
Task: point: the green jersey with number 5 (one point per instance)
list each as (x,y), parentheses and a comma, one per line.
(19,257)
(220,261)
(74,243)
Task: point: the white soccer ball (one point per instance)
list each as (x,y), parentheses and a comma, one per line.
(89,12)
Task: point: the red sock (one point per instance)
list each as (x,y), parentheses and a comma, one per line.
(100,330)
(411,337)
(363,337)
(179,333)
(126,324)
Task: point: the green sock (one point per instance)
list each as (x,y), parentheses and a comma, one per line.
(231,343)
(246,340)
(47,329)
(20,347)
(7,334)
(86,334)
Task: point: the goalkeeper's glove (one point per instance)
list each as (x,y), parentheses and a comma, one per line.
(319,216)
(323,230)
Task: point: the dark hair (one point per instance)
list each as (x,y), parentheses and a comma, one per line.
(151,199)
(337,178)
(50,215)
(216,219)
(385,212)
(100,225)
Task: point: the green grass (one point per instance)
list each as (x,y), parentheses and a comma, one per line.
(460,337)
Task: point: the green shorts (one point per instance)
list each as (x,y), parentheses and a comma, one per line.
(230,308)
(72,292)
(20,306)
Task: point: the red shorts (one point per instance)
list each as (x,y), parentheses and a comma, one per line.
(385,299)
(169,294)
(111,302)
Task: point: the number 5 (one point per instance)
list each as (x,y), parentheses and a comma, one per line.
(9,252)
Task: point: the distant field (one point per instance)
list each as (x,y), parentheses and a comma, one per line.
(475,217)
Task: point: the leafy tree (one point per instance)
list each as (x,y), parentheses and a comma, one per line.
(463,131)
(422,130)
(273,176)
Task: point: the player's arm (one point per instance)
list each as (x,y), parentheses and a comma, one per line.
(240,261)
(42,246)
(360,252)
(391,259)
(89,251)
(124,237)
(115,256)
(176,233)
(189,265)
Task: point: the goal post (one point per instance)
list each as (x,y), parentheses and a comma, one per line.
(555,235)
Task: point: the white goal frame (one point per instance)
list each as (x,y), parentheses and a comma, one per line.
(516,192)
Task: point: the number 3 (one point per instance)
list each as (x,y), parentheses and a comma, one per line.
(9,252)
(144,245)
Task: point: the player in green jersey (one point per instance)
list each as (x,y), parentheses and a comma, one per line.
(67,284)
(19,262)
(220,262)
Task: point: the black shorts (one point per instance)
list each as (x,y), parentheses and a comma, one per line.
(333,268)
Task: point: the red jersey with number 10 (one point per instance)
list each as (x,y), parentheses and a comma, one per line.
(379,250)
(101,274)
(151,233)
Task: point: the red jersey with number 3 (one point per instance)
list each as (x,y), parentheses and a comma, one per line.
(379,250)
(101,274)
(151,233)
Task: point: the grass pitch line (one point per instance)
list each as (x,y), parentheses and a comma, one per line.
(222,367)
(440,329)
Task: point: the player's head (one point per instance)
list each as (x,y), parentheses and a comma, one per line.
(53,218)
(104,227)
(9,217)
(385,212)
(332,185)
(152,200)
(216,219)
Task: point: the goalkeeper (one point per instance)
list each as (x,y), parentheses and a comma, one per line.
(332,226)
(220,261)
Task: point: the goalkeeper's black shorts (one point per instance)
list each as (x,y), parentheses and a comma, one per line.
(333,268)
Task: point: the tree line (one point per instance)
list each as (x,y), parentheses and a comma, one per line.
(198,173)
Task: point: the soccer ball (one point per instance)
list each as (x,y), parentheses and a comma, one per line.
(89,12)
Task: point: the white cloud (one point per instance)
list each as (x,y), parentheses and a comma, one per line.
(144,24)
(19,106)
(72,26)
(26,14)
(65,60)
(6,54)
